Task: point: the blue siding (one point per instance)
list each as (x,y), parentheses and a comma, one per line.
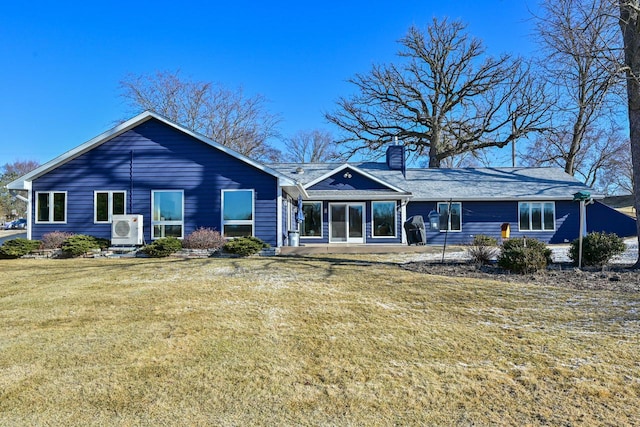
(154,156)
(357,182)
(601,217)
(487,217)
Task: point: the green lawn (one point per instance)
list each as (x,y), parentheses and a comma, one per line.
(306,341)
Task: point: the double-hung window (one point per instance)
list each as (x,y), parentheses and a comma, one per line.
(167,216)
(107,204)
(312,224)
(537,216)
(237,213)
(450,216)
(384,219)
(51,206)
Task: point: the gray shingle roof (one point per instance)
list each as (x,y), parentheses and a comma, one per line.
(458,184)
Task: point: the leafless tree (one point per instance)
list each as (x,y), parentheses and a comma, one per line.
(581,62)
(311,146)
(9,172)
(630,27)
(616,178)
(443,98)
(224,115)
(600,162)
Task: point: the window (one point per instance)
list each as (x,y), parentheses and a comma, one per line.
(537,216)
(312,224)
(108,203)
(450,220)
(384,219)
(167,216)
(237,213)
(51,207)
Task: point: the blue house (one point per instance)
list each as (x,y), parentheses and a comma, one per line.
(175,181)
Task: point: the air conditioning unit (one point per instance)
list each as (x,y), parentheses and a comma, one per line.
(126,230)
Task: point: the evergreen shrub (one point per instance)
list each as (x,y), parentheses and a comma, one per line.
(524,255)
(597,248)
(80,244)
(17,248)
(245,246)
(162,247)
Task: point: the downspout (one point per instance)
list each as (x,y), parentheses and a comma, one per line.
(403,219)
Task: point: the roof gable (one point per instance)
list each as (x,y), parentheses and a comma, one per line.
(22,183)
(350,177)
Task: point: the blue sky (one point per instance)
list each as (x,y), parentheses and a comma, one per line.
(63,60)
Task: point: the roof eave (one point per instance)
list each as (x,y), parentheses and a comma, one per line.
(363,197)
(500,199)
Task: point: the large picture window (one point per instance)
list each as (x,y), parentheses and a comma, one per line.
(450,216)
(51,207)
(384,219)
(167,218)
(312,224)
(537,216)
(107,204)
(237,213)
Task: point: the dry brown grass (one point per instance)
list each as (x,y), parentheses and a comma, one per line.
(311,341)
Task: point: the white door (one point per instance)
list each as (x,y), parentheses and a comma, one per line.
(346,223)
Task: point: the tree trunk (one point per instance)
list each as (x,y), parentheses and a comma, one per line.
(630,26)
(434,148)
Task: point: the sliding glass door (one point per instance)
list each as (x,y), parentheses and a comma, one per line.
(346,223)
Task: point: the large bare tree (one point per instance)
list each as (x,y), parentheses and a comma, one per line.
(581,56)
(311,146)
(443,98)
(630,27)
(224,115)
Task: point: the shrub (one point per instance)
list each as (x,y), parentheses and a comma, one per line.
(54,240)
(483,249)
(245,246)
(597,248)
(80,244)
(162,247)
(524,255)
(204,238)
(18,247)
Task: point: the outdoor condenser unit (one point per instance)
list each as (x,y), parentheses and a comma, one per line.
(126,230)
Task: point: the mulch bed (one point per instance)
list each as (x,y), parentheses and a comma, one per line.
(612,278)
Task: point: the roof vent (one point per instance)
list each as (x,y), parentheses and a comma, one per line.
(299,170)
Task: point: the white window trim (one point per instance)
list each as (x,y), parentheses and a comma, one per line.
(109,203)
(321,220)
(251,222)
(154,223)
(395,220)
(542,230)
(449,217)
(51,205)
